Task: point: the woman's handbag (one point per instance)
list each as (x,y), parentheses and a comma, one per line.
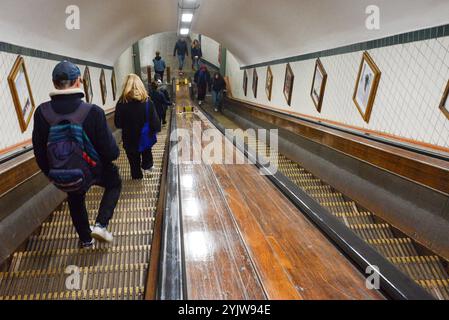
(147,139)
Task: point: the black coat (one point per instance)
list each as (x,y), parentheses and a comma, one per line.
(160,101)
(130,117)
(218,84)
(181,48)
(95,126)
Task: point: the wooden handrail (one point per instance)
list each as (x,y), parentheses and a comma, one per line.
(420,168)
(411,142)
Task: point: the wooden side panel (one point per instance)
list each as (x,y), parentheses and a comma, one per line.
(304,260)
(422,169)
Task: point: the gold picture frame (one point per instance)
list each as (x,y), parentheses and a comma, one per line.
(114,85)
(245,83)
(87,82)
(269,83)
(104,91)
(365,92)
(289,81)
(255,82)
(22,95)
(318,85)
(444,107)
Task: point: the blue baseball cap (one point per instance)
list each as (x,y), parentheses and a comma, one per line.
(66,70)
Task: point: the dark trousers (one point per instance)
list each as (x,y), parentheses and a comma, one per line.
(139,161)
(164,115)
(159,74)
(202,88)
(110,180)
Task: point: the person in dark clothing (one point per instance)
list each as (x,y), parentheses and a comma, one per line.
(163,89)
(202,81)
(160,101)
(159,66)
(182,51)
(196,54)
(218,86)
(65,100)
(130,116)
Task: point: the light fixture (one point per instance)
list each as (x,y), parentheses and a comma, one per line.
(184,31)
(187,17)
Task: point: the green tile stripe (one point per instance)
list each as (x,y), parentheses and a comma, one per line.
(12,48)
(413,36)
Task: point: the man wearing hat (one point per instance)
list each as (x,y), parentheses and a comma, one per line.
(66,104)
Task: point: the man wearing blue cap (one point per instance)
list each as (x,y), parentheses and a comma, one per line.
(75,148)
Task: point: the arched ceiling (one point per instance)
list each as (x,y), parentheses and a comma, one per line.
(254,30)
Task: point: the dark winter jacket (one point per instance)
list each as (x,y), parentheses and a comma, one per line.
(197,52)
(159,64)
(218,84)
(181,48)
(131,117)
(164,91)
(95,126)
(202,77)
(160,101)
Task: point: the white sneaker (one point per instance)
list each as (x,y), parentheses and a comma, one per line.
(102,234)
(148,171)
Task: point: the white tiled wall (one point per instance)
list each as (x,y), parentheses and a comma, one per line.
(123,66)
(210,49)
(414,77)
(39,71)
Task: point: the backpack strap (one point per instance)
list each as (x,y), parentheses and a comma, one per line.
(76,117)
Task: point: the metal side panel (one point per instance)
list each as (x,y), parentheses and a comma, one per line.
(172,275)
(17,227)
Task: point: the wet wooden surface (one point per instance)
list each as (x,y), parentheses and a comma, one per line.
(244,240)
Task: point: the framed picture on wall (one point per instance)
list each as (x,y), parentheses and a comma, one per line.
(104,92)
(88,91)
(245,82)
(114,85)
(269,83)
(255,82)
(288,84)
(22,95)
(444,105)
(366,87)
(318,85)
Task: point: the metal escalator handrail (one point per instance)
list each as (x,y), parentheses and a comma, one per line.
(171,284)
(393,282)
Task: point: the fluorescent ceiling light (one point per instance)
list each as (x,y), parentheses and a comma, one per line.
(187,17)
(184,31)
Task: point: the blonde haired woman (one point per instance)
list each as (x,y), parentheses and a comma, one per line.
(130,116)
